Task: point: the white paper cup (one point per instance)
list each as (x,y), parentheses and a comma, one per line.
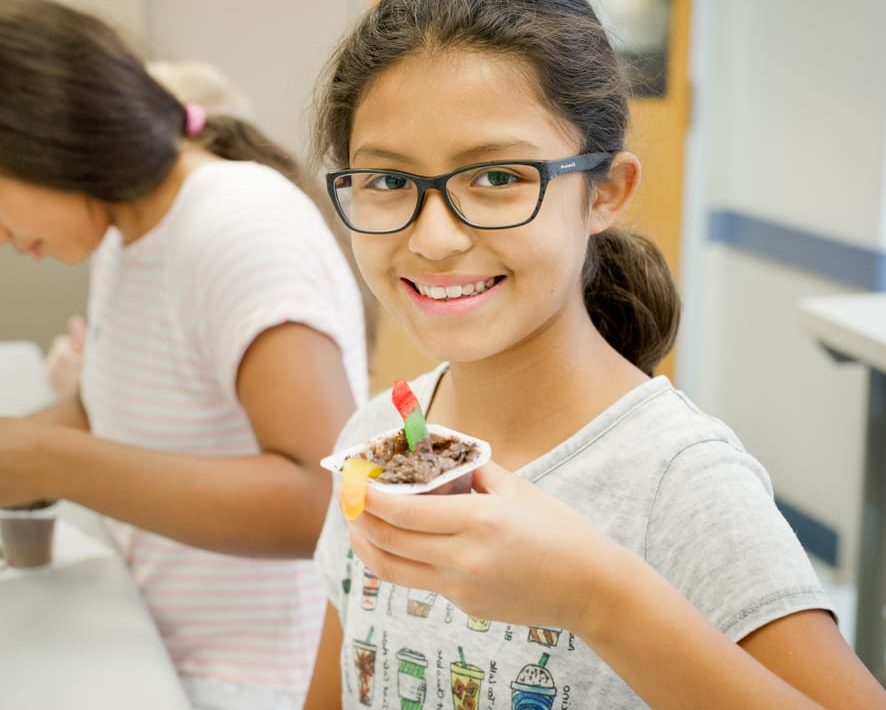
(456,480)
(27,535)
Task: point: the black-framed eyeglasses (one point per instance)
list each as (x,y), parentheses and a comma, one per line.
(499,194)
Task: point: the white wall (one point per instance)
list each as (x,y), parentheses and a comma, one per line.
(798,113)
(789,126)
(272,49)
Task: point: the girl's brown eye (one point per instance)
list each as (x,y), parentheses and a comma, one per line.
(495,178)
(388,182)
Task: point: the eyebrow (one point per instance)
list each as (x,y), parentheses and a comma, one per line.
(474,153)
(381,153)
(489,149)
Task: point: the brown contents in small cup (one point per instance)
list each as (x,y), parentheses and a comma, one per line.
(404,466)
(27,541)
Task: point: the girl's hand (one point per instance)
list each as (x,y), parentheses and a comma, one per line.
(512,554)
(18,450)
(64,361)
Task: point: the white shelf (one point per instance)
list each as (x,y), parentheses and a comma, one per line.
(853,325)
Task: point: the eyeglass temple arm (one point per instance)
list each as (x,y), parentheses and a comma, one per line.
(578,164)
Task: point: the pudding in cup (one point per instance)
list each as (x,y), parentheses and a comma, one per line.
(448,470)
(27,532)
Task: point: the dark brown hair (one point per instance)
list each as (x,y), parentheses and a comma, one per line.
(80,113)
(629,291)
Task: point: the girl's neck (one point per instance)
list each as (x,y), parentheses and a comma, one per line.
(136,218)
(536,395)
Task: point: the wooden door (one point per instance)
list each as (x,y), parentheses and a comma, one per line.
(657,136)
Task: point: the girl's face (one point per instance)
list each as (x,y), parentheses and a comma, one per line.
(429,116)
(41,221)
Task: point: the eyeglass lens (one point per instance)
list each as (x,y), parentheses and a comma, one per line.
(489,196)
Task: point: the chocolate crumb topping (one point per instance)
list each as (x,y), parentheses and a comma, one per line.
(404,466)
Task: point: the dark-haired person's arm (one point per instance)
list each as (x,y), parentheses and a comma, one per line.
(473,550)
(325,690)
(68,412)
(292,385)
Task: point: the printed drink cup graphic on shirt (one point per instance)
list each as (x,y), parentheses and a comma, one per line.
(544,636)
(475,624)
(364,660)
(534,688)
(466,681)
(346,582)
(419,602)
(411,684)
(370,590)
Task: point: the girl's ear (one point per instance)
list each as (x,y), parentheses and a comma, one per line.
(612,194)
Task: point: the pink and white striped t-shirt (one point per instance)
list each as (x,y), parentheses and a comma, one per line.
(171,315)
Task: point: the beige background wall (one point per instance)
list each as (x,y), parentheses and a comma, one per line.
(273,49)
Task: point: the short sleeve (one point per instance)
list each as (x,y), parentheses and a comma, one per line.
(264,260)
(715,533)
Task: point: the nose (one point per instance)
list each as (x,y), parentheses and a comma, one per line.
(437,233)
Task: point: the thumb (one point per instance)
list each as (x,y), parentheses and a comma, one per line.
(77,332)
(492,478)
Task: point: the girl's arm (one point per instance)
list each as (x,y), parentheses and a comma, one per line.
(833,674)
(325,690)
(67,412)
(673,657)
(472,549)
(292,385)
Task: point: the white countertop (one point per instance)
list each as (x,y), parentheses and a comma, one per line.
(75,637)
(80,638)
(23,388)
(852,325)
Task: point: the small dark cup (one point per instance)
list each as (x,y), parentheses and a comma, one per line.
(27,532)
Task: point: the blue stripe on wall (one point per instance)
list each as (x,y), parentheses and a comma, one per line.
(855,266)
(816,538)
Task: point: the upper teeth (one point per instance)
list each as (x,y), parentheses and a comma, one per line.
(441,293)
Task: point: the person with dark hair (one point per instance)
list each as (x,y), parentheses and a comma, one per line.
(189,82)
(624,549)
(225,348)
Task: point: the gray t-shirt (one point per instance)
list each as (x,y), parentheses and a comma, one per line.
(655,474)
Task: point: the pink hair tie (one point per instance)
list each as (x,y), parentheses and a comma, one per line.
(195,119)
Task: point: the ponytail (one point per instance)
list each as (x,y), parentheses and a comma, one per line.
(631,297)
(234,139)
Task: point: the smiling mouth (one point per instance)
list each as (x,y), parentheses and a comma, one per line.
(450,293)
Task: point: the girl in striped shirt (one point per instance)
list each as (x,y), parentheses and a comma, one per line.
(225,348)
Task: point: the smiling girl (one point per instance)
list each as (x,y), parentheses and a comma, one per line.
(624,549)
